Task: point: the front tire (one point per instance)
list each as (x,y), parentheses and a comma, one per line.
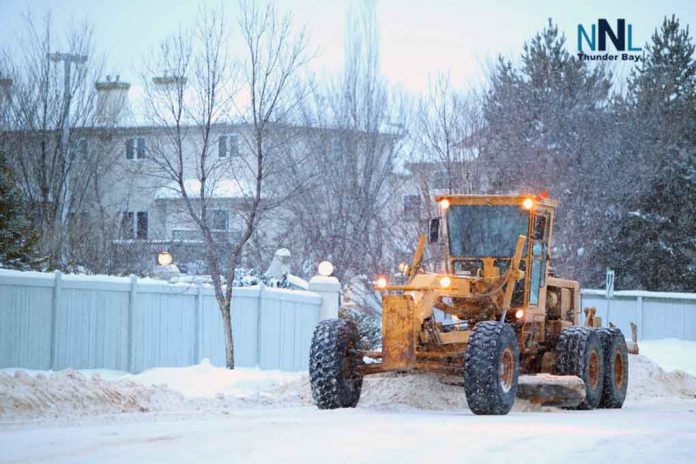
(491,368)
(615,368)
(333,375)
(579,352)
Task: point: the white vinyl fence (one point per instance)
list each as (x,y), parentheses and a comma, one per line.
(56,321)
(657,314)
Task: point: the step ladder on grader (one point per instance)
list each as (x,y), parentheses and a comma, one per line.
(494,316)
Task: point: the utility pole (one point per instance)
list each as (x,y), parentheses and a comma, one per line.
(68,60)
(5,102)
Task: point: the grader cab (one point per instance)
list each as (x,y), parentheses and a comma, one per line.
(489,309)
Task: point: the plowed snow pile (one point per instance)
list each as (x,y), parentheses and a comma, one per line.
(205,387)
(647,380)
(72,393)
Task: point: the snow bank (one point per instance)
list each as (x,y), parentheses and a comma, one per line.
(206,387)
(671,353)
(207,381)
(648,381)
(73,393)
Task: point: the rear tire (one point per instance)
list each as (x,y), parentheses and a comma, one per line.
(615,368)
(333,373)
(579,352)
(491,368)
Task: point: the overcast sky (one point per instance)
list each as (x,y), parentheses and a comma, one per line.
(418,38)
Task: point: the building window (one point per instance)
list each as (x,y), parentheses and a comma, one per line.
(336,146)
(134,225)
(127,230)
(228,146)
(81,147)
(135,148)
(441,179)
(141,226)
(219,219)
(411,206)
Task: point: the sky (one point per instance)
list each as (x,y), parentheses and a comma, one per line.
(418,38)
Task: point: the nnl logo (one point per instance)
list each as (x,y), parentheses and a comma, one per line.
(618,38)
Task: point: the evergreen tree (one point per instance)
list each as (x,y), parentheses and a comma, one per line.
(17,236)
(549,129)
(654,246)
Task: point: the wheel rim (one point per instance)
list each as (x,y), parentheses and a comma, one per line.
(507,370)
(593,374)
(618,370)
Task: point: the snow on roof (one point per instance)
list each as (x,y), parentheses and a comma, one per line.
(225,188)
(642,293)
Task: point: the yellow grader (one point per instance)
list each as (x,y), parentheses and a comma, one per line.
(489,310)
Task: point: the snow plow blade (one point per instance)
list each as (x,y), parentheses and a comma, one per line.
(563,391)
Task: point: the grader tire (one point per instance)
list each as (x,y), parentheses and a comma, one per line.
(334,380)
(579,352)
(491,368)
(615,368)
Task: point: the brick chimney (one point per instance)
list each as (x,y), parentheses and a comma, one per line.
(112,101)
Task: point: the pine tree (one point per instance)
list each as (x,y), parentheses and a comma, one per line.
(17,236)
(549,129)
(654,246)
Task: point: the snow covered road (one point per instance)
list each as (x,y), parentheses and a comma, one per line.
(640,432)
(208,414)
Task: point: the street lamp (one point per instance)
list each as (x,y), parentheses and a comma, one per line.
(68,60)
(164,258)
(325,268)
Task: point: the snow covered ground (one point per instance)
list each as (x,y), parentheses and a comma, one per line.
(209,414)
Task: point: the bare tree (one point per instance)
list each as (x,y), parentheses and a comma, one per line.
(191,102)
(446,133)
(358,129)
(54,172)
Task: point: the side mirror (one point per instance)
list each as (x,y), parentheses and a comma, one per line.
(434,231)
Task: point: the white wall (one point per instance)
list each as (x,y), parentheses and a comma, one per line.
(657,314)
(55,321)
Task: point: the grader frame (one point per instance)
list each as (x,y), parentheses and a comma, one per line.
(491,311)
(413,341)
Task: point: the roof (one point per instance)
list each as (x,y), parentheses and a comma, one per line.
(496,199)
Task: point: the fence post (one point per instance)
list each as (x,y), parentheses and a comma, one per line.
(259,331)
(641,316)
(131,323)
(330,289)
(53,363)
(197,326)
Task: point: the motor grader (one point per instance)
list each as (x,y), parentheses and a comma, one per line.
(488,310)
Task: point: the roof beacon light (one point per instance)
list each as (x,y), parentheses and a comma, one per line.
(444,204)
(528,203)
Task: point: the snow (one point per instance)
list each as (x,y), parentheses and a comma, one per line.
(643,293)
(204,413)
(224,188)
(207,381)
(635,434)
(671,353)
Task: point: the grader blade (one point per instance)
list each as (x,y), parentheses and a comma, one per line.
(563,391)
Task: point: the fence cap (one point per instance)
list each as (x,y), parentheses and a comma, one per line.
(641,293)
(324,284)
